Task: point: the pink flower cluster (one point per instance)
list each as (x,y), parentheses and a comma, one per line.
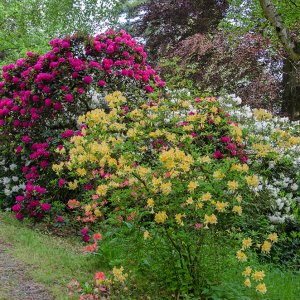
(38,91)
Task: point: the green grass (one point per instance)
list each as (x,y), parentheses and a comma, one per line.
(52,261)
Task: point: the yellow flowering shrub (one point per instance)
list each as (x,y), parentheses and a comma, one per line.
(175,168)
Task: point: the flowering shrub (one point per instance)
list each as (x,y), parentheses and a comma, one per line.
(42,95)
(175,169)
(102,286)
(275,155)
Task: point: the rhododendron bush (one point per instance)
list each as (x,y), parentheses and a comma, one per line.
(43,94)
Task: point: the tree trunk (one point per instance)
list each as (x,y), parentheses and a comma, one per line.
(291,89)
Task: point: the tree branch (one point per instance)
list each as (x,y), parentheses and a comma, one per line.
(276,21)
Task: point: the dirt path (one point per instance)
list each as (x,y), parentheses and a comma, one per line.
(15,283)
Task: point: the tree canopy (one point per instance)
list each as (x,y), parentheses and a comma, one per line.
(29,24)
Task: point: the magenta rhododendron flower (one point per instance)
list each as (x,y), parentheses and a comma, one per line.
(45,206)
(59,219)
(19,198)
(87,79)
(86,238)
(16,208)
(67,133)
(84,230)
(69,98)
(218,154)
(101,83)
(61,183)
(225,139)
(19,216)
(19,149)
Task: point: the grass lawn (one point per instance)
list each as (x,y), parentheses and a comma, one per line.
(54,261)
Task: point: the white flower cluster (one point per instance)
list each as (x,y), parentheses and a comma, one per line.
(10,183)
(282,183)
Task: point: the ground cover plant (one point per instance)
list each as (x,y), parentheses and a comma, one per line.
(166,190)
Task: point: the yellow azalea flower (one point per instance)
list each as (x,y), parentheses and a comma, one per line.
(171,137)
(261,150)
(273,237)
(166,188)
(189,200)
(241,256)
(156,133)
(57,168)
(252,181)
(73,185)
(156,182)
(247,243)
(214,109)
(258,275)
(87,208)
(142,171)
(97,212)
(245,168)
(221,206)
(206,196)
(218,175)
(266,247)
(261,114)
(150,202)
(178,218)
(119,275)
(81,172)
(210,219)
(247,282)
(261,288)
(81,119)
(112,162)
(199,205)
(205,159)
(236,167)
(232,185)
(247,271)
(188,127)
(239,198)
(146,235)
(160,217)
(192,186)
(101,190)
(237,209)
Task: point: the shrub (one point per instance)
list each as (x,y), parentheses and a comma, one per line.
(175,171)
(43,95)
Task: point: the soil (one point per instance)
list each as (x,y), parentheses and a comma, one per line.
(15,284)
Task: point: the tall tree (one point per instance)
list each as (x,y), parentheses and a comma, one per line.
(291,68)
(279,20)
(29,24)
(164,23)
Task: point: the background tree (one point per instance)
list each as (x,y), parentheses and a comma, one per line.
(29,24)
(278,20)
(203,55)
(163,24)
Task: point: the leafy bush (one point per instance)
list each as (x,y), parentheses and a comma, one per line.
(275,156)
(43,95)
(175,171)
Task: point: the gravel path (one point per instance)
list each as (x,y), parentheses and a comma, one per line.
(15,283)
